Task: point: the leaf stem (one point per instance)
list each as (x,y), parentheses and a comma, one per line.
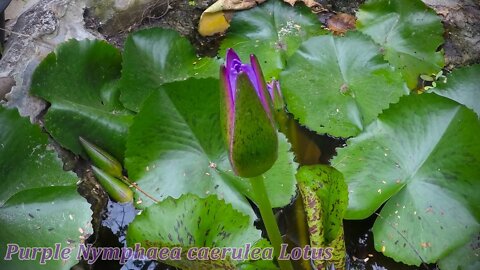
(268,218)
(133,184)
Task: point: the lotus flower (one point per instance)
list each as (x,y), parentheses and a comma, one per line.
(249,130)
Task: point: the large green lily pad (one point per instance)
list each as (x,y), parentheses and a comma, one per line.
(464,258)
(175,147)
(79,80)
(419,159)
(156,56)
(409,33)
(272,31)
(191,222)
(338,85)
(39,203)
(463,86)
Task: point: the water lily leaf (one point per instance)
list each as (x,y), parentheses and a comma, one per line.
(79,80)
(37,198)
(337,85)
(193,222)
(325,196)
(409,33)
(176,138)
(273,31)
(463,258)
(463,86)
(419,157)
(156,56)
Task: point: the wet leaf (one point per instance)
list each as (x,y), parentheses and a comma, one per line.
(325,197)
(115,188)
(190,222)
(79,80)
(419,159)
(463,86)
(273,31)
(37,197)
(338,85)
(156,56)
(409,33)
(176,138)
(464,257)
(102,159)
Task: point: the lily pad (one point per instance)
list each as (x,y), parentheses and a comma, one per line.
(79,80)
(338,85)
(325,196)
(175,147)
(39,203)
(273,31)
(191,222)
(463,86)
(463,258)
(156,56)
(419,159)
(409,33)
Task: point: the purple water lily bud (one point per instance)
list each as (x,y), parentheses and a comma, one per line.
(273,88)
(250,134)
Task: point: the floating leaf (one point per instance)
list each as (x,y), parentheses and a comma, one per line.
(463,258)
(420,158)
(37,197)
(325,197)
(409,33)
(175,147)
(79,80)
(193,222)
(337,85)
(273,31)
(156,56)
(463,86)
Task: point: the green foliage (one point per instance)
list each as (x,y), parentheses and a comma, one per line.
(79,80)
(409,33)
(463,86)
(190,222)
(39,202)
(175,147)
(273,31)
(418,157)
(156,56)
(338,85)
(325,196)
(464,257)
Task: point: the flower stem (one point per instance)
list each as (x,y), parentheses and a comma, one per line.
(268,218)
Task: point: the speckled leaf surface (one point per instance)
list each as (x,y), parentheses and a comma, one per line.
(191,221)
(417,158)
(39,202)
(409,33)
(79,80)
(463,86)
(175,147)
(272,31)
(338,85)
(324,194)
(156,56)
(465,257)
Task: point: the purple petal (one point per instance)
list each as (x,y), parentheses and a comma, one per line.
(259,83)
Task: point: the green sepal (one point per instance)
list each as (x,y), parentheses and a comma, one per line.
(115,188)
(102,159)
